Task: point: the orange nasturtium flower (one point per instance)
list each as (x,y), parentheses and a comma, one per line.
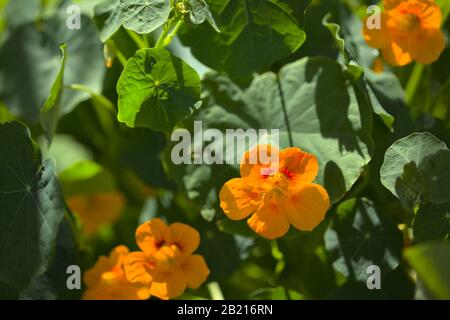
(97,209)
(106,280)
(166,265)
(409,30)
(276,195)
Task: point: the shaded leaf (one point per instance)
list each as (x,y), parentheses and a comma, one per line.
(432,222)
(360,236)
(32,207)
(246,29)
(26,86)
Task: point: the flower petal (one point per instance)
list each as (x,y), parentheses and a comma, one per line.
(306,207)
(168,285)
(195,270)
(258,161)
(390,4)
(427,46)
(377,38)
(304,166)
(138,268)
(153,234)
(185,237)
(269,221)
(396,56)
(239,199)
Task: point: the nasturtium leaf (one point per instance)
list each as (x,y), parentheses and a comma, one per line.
(355,70)
(53,283)
(199,12)
(415,168)
(108,14)
(157,90)
(432,222)
(30,60)
(144,16)
(431,261)
(32,207)
(52,107)
(359,236)
(254,34)
(309,102)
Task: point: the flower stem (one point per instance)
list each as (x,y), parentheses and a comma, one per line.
(413,82)
(215,291)
(137,39)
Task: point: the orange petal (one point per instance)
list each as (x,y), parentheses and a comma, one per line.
(97,209)
(306,207)
(304,166)
(377,38)
(257,161)
(396,56)
(151,235)
(390,4)
(269,221)
(428,46)
(239,199)
(93,276)
(431,17)
(118,255)
(195,270)
(138,268)
(185,237)
(169,285)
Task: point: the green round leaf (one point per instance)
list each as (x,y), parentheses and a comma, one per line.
(416,167)
(157,90)
(32,207)
(254,34)
(359,237)
(144,16)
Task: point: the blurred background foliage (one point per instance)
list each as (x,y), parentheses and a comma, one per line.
(124,175)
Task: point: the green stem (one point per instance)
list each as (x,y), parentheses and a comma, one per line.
(278,256)
(215,291)
(137,39)
(174,32)
(167,35)
(163,35)
(413,82)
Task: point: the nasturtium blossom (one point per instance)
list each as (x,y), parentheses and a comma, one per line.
(166,266)
(106,280)
(97,209)
(275,194)
(409,30)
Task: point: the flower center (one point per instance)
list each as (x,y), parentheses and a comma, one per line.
(279,181)
(168,255)
(408,21)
